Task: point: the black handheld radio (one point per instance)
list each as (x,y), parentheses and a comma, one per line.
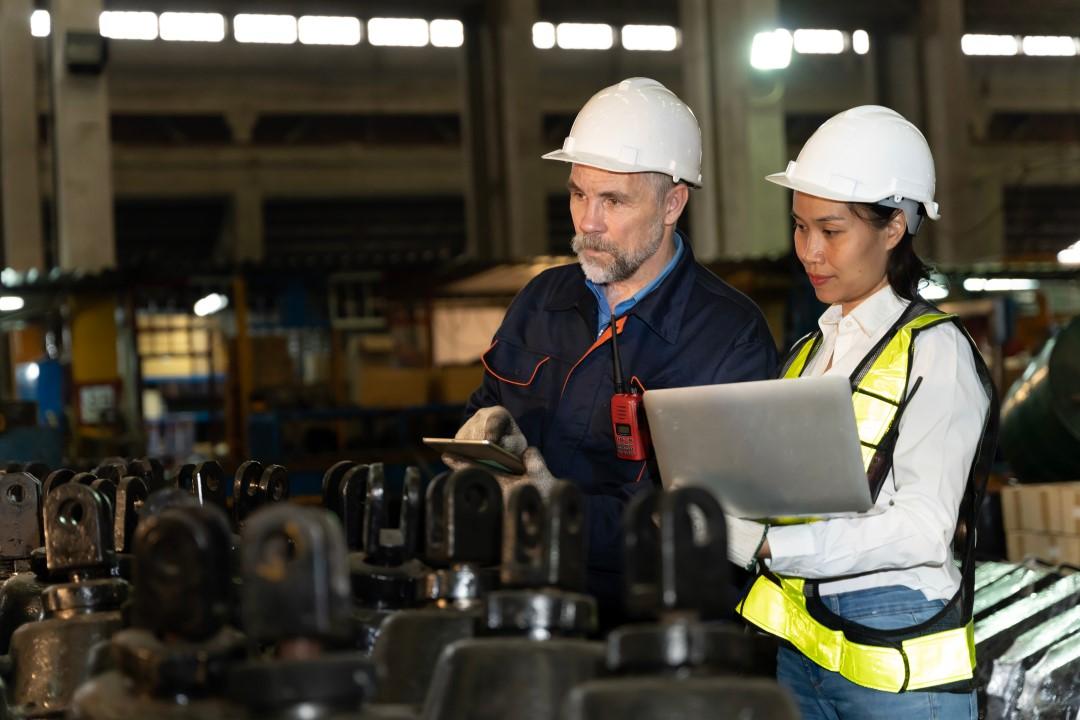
(627,412)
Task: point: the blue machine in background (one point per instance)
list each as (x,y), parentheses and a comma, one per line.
(40,436)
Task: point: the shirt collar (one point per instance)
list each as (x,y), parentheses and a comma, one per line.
(604,311)
(873,312)
(662,309)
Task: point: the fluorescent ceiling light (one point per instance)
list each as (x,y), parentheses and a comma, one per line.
(771,50)
(819,42)
(543,35)
(860,42)
(663,38)
(212,303)
(977,284)
(328,30)
(10,303)
(447,33)
(401,32)
(192,27)
(123,25)
(1070,255)
(990,44)
(275,29)
(40,23)
(584,36)
(1050,45)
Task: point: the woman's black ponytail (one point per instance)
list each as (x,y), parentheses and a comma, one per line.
(905,268)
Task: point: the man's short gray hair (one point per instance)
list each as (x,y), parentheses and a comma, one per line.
(661,184)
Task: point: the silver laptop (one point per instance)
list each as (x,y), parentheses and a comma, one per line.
(766,449)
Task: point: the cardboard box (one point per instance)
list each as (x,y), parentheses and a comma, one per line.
(1046,507)
(455,383)
(378,386)
(1048,547)
(1069,504)
(1035,508)
(271,364)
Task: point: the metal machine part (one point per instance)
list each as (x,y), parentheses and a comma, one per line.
(254,486)
(683,663)
(530,648)
(1040,417)
(20,518)
(296,598)
(172,663)
(386,576)
(52,657)
(207,483)
(463,523)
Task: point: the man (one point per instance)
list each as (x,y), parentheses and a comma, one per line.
(634,150)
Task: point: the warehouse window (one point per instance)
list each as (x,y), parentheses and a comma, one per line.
(364,231)
(1040,220)
(376,129)
(168,233)
(144,129)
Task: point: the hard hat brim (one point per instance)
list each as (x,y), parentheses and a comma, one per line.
(605,163)
(785,180)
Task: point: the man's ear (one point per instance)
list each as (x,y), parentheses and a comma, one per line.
(675,203)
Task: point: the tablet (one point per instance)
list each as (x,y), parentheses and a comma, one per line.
(484,452)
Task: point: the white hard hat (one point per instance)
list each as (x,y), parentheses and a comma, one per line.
(637,125)
(868,154)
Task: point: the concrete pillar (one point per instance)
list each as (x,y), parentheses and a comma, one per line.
(504,200)
(20,184)
(896,59)
(960,236)
(737,214)
(84,194)
(246,226)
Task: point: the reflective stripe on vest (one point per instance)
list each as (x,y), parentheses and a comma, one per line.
(880,392)
(923,662)
(778,604)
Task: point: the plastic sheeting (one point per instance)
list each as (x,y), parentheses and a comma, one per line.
(990,572)
(1000,593)
(996,633)
(1052,686)
(1007,678)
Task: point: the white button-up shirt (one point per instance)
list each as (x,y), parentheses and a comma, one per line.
(906,538)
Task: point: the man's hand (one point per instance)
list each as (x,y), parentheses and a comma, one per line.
(745,541)
(497,425)
(536,473)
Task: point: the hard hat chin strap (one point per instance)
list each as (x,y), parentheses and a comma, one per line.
(913,211)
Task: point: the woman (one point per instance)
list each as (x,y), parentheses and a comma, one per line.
(873,609)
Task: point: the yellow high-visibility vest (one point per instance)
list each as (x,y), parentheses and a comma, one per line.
(882,660)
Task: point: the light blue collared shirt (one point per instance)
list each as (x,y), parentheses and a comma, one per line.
(604,315)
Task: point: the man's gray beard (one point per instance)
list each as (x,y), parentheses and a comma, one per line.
(622,266)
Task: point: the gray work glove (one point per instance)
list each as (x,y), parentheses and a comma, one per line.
(744,540)
(536,473)
(497,425)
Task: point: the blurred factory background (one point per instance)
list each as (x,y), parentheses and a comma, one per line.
(287,229)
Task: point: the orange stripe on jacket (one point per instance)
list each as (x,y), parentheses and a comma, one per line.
(619,324)
(483,360)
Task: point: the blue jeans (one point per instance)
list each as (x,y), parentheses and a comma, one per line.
(824,694)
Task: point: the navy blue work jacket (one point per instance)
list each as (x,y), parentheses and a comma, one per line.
(548,369)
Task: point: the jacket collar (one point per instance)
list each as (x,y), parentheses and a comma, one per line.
(662,309)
